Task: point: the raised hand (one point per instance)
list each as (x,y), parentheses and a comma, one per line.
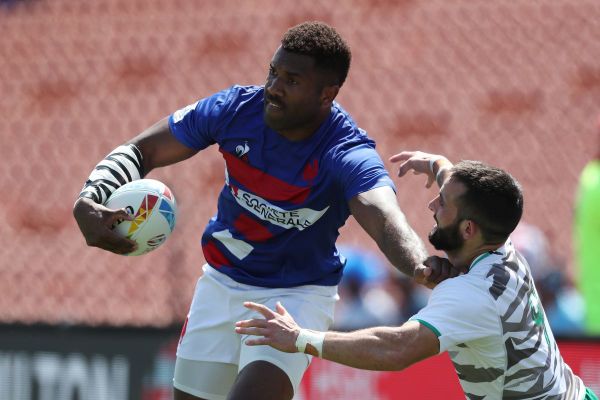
(421,163)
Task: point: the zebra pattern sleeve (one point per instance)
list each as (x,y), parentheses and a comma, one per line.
(120,166)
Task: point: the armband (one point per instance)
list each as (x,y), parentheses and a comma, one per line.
(120,166)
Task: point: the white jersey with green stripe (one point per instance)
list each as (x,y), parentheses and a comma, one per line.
(492,324)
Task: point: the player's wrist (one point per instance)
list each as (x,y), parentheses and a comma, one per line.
(432,162)
(83,203)
(438,163)
(310,342)
(87,195)
(438,166)
(440,175)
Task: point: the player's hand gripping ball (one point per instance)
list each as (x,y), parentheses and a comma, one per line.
(153,208)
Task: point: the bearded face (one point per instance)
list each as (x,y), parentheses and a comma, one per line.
(447,238)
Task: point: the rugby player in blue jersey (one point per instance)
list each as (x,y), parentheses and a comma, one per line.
(297,166)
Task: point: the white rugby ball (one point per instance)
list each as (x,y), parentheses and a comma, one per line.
(153,208)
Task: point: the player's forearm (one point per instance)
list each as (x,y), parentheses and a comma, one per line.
(401,245)
(377,349)
(377,211)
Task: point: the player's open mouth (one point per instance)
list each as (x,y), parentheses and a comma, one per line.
(274,106)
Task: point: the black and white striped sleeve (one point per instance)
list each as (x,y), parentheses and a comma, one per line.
(120,166)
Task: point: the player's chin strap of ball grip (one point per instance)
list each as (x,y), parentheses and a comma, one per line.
(120,166)
(310,338)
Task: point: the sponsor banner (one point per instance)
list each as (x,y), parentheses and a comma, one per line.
(55,363)
(76,363)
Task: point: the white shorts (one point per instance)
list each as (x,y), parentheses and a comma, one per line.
(210,339)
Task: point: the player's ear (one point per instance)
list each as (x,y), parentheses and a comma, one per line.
(468,229)
(328,94)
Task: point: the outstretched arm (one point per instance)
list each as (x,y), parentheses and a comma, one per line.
(437,168)
(378,213)
(155,147)
(379,348)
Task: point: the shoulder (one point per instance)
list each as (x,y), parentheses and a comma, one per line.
(460,305)
(342,115)
(245,90)
(464,293)
(347,136)
(342,122)
(454,285)
(238,94)
(223,106)
(504,272)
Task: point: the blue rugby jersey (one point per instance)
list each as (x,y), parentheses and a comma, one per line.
(283,202)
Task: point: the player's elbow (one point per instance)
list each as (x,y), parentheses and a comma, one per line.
(403,353)
(397,360)
(388,358)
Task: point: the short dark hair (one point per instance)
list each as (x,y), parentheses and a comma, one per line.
(493,199)
(323,43)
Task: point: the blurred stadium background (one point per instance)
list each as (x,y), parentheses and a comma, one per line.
(515,84)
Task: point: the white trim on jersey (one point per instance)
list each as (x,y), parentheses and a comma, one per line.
(237,247)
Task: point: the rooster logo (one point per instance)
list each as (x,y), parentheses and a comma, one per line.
(242,151)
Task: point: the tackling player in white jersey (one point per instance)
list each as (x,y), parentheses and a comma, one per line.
(489,319)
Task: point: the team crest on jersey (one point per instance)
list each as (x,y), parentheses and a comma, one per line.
(311,170)
(242,151)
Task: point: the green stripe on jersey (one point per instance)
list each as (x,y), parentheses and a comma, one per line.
(479,258)
(431,327)
(589,395)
